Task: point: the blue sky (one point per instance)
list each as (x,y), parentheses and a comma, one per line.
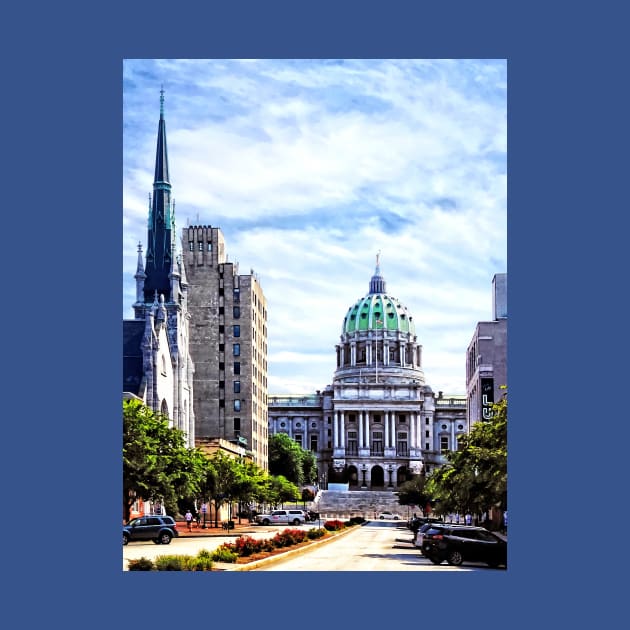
(310,167)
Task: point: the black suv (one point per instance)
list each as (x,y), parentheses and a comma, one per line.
(456,543)
(159,529)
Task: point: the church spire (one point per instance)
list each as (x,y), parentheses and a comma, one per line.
(161,232)
(377,282)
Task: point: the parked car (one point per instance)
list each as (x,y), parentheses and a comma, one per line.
(424,527)
(160,529)
(459,543)
(388,515)
(294,517)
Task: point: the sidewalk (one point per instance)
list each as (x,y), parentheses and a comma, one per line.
(245,527)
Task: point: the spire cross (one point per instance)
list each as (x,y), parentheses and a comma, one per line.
(378,255)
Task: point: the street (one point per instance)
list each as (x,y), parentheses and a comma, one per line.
(375,546)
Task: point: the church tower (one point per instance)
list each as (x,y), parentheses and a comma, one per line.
(161,370)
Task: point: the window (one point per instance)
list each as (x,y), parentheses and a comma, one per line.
(221,329)
(298,439)
(402,418)
(200,246)
(236,312)
(237,367)
(377,418)
(237,405)
(237,295)
(221,310)
(221,384)
(222,402)
(377,443)
(191,246)
(237,387)
(313,443)
(352,417)
(237,330)
(426,434)
(221,347)
(237,424)
(209,246)
(444,443)
(402,444)
(352,443)
(237,349)
(221,365)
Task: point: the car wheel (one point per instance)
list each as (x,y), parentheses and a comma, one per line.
(381,517)
(455,558)
(125,539)
(156,541)
(296,521)
(266,521)
(164,538)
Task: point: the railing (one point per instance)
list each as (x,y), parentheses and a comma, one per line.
(295,401)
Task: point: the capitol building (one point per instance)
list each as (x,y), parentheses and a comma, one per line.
(379,423)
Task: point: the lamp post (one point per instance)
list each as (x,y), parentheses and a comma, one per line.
(390,470)
(364,471)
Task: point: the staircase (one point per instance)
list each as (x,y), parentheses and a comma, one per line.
(367,504)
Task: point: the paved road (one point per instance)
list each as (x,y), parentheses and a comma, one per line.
(376,546)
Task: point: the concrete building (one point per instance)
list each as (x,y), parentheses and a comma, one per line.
(228,344)
(379,423)
(486,357)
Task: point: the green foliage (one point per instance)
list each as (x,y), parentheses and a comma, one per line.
(141,564)
(157,465)
(413,492)
(315,533)
(289,460)
(223,553)
(475,478)
(178,562)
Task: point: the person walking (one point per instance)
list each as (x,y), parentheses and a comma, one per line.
(188,516)
(468,518)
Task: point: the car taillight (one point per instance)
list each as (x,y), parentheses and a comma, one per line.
(437,537)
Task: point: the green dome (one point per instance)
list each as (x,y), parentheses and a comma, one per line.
(378,311)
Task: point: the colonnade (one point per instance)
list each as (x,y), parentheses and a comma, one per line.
(365,422)
(404,353)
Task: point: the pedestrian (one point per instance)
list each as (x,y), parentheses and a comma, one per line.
(198,519)
(505,521)
(188,516)
(468,518)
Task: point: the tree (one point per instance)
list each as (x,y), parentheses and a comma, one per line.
(157,465)
(475,477)
(286,458)
(412,492)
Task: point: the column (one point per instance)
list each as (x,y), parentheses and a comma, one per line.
(353,353)
(403,357)
(342,429)
(386,428)
(368,352)
(366,420)
(342,355)
(360,429)
(412,430)
(335,438)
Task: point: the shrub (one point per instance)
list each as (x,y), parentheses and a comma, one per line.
(224,553)
(315,532)
(246,546)
(334,525)
(356,520)
(170,563)
(141,564)
(288,537)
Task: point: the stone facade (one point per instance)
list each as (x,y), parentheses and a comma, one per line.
(378,424)
(228,343)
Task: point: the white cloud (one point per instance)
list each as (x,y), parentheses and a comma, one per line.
(312,167)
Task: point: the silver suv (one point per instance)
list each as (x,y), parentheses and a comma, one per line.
(160,529)
(294,517)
